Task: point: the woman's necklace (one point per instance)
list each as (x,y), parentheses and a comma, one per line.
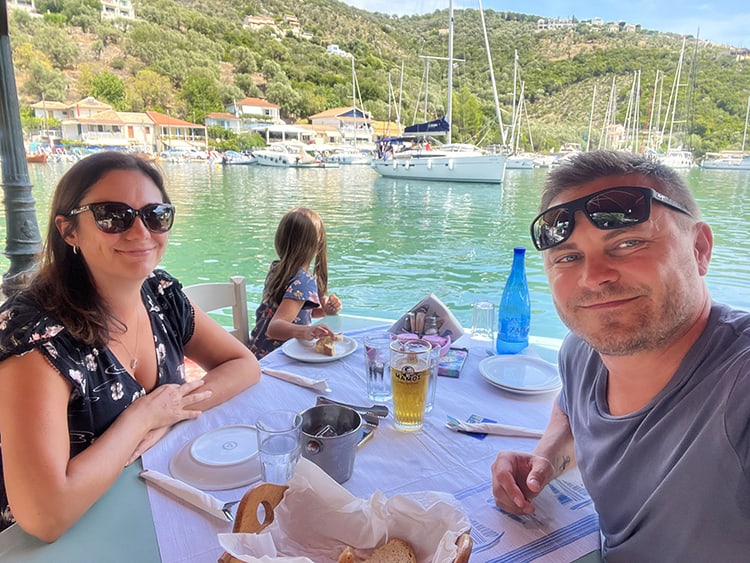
(134,357)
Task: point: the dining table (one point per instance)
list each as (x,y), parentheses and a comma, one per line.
(138,522)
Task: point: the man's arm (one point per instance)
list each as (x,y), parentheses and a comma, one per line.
(519,477)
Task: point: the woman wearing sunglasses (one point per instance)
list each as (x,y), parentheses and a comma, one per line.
(92,353)
(655,403)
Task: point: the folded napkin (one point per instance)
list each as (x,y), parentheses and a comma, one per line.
(188,493)
(492,428)
(317,384)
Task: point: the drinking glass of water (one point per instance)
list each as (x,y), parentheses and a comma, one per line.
(278,444)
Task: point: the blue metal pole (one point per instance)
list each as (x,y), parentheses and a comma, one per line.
(23,242)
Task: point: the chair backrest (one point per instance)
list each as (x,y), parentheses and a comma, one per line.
(213,296)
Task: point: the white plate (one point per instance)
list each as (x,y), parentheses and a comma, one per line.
(224,458)
(225,446)
(520,374)
(303,353)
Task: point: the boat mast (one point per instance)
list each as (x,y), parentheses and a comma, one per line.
(449,107)
(354,101)
(591,120)
(492,78)
(747,115)
(676,90)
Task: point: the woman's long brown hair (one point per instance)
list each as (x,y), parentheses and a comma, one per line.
(63,287)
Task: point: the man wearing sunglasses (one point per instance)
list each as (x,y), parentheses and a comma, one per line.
(655,403)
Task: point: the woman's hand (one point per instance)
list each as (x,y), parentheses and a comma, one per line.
(171,403)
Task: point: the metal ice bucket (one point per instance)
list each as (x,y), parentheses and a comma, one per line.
(329,438)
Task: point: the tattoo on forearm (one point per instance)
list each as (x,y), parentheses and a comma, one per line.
(562,463)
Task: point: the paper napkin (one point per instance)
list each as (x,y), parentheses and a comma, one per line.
(186,492)
(317,384)
(493,428)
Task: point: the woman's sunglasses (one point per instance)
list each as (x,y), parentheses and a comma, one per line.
(613,208)
(115,217)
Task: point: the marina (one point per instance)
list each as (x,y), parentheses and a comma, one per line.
(392,242)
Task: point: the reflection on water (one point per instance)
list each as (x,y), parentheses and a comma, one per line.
(391,242)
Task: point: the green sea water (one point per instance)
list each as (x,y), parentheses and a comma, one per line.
(392,242)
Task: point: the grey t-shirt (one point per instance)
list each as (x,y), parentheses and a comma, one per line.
(671,481)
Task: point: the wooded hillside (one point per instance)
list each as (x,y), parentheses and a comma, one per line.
(191,57)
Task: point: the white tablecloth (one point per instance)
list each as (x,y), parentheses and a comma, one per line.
(564,527)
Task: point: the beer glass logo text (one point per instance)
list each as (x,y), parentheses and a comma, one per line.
(407,375)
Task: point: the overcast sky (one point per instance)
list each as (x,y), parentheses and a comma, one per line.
(720,21)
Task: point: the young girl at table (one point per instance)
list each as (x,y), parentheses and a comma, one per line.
(292,296)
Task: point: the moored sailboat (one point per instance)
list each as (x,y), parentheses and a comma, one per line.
(416,156)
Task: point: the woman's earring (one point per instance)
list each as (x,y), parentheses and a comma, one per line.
(75,249)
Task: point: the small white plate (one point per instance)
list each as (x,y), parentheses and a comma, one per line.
(297,351)
(520,374)
(221,459)
(225,446)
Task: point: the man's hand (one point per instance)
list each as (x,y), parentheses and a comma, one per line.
(517,478)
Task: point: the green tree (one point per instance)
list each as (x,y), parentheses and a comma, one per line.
(57,45)
(246,83)
(201,93)
(45,81)
(107,87)
(243,60)
(282,94)
(467,116)
(148,90)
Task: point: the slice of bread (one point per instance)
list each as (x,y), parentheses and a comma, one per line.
(395,551)
(326,345)
(347,556)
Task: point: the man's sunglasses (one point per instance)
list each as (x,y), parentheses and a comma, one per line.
(115,217)
(613,208)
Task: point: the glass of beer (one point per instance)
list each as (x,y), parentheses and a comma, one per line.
(410,376)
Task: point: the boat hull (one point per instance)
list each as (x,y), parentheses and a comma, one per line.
(726,164)
(488,169)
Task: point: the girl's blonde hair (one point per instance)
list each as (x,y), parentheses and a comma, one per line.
(300,240)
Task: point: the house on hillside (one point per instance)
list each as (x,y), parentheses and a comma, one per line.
(51,110)
(173,133)
(255,107)
(334,49)
(27,5)
(354,124)
(258,22)
(224,120)
(88,107)
(110,129)
(117,9)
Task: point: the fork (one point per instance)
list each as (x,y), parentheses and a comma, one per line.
(227,509)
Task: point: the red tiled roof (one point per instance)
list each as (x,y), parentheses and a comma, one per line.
(161,119)
(256,102)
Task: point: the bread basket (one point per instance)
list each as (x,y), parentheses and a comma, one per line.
(269,496)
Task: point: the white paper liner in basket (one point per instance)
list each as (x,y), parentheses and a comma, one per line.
(318,517)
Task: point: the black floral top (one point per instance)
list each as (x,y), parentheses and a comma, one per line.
(101,387)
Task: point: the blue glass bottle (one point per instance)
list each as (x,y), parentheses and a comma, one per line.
(514,317)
